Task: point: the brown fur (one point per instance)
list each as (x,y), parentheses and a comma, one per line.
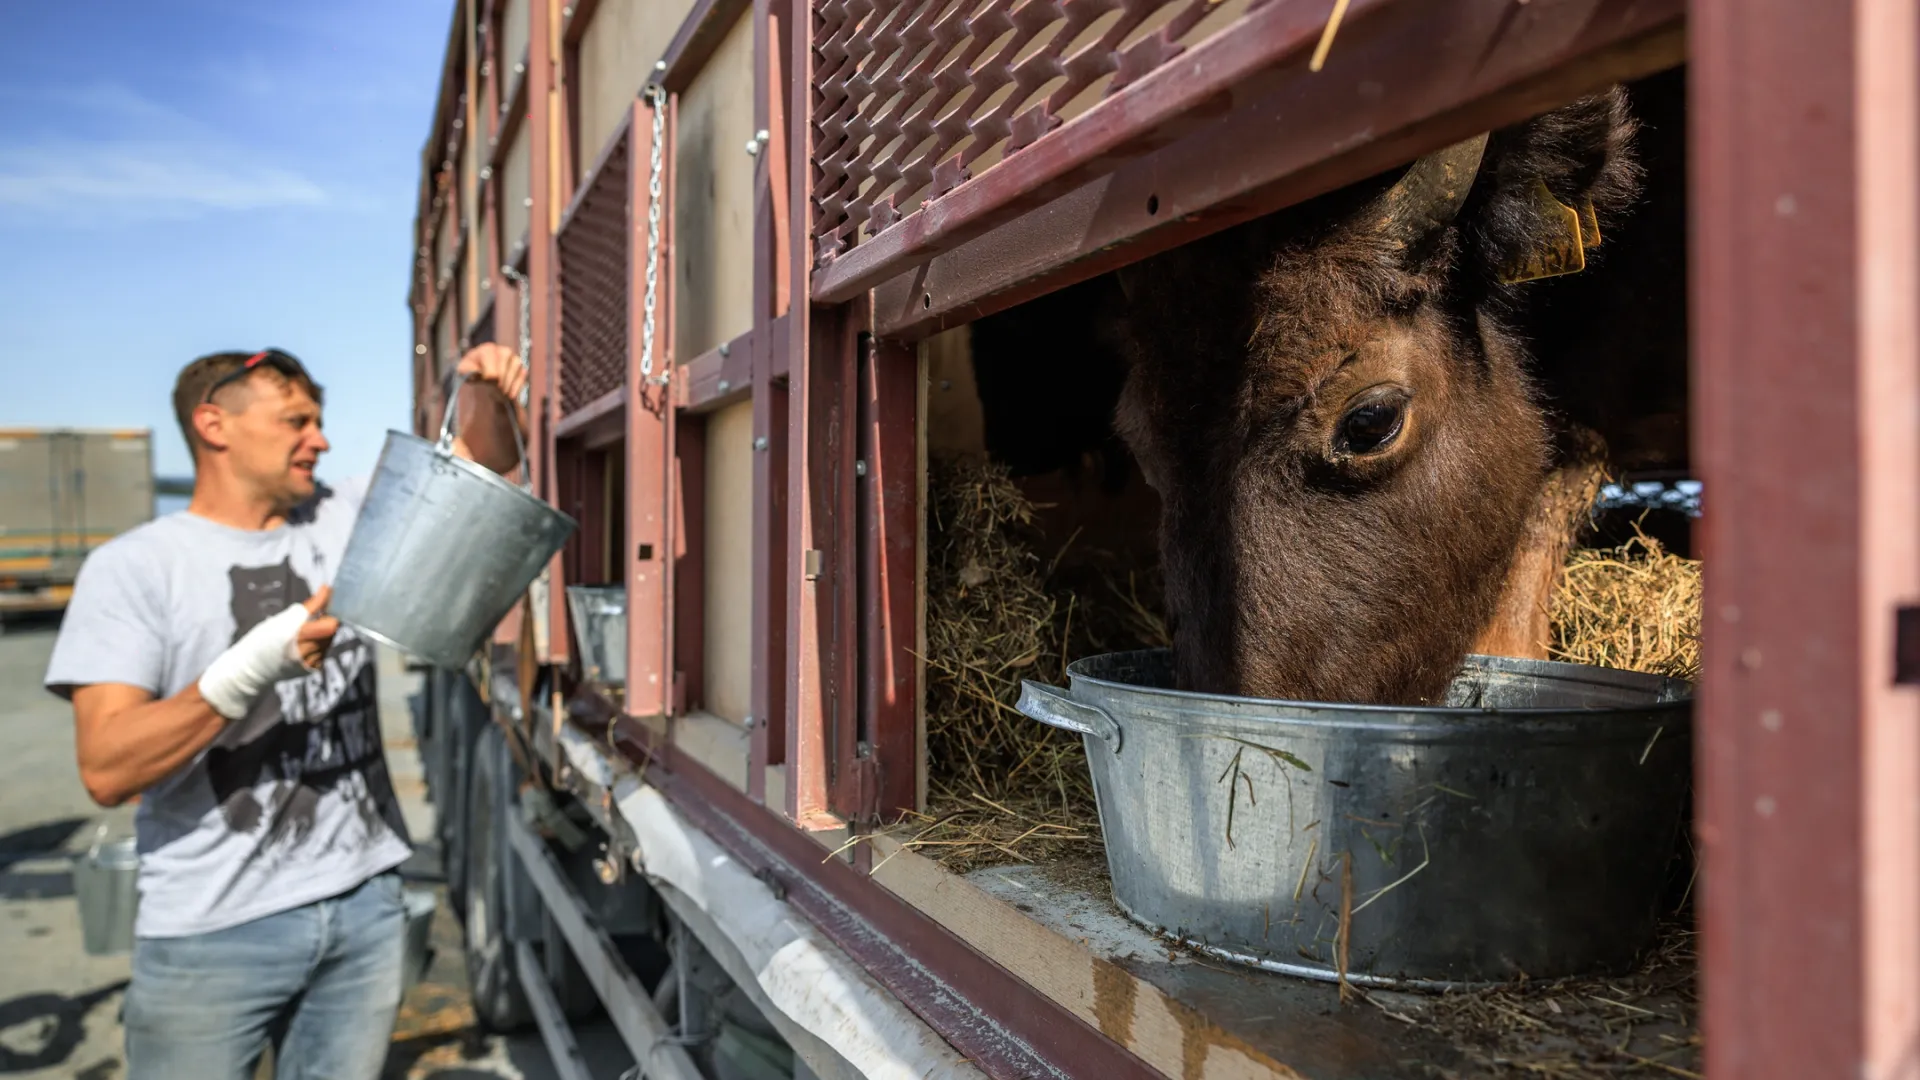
(1299,569)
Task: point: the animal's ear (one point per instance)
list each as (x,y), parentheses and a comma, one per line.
(1549,186)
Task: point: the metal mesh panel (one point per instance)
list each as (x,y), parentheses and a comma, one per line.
(593,288)
(910,96)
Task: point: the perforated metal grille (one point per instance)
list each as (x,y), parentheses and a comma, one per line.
(913,97)
(593,288)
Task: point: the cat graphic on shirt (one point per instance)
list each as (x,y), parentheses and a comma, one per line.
(306,737)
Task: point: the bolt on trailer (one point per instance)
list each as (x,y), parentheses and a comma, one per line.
(818,296)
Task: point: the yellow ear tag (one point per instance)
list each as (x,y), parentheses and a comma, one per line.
(1557,246)
(1589,225)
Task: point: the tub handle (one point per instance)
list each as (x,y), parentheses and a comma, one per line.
(455,381)
(1051,706)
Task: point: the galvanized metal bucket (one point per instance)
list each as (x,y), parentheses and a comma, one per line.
(420,905)
(600,625)
(1530,826)
(106,887)
(442,549)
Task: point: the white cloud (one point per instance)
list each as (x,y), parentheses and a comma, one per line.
(147,160)
(142,179)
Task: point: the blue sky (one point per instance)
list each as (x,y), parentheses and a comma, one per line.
(197,175)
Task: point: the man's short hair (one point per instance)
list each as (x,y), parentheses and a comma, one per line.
(190,389)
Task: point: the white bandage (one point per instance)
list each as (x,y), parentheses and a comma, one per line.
(263,656)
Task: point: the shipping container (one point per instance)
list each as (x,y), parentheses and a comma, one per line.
(64,492)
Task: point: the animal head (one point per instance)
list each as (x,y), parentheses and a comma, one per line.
(1339,423)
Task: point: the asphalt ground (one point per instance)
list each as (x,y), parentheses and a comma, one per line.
(60,1008)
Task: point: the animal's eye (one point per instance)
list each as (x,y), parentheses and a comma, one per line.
(1370,427)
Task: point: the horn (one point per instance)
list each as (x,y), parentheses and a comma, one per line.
(1431,193)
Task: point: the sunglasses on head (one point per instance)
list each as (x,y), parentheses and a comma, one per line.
(279,360)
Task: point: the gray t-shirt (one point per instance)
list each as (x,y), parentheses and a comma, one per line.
(290,804)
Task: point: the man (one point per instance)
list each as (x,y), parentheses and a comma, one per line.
(206,677)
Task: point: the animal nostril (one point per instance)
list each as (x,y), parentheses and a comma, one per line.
(1153,204)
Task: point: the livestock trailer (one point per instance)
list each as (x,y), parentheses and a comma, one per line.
(64,492)
(773,261)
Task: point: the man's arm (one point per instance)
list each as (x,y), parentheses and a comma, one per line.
(126,742)
(489,406)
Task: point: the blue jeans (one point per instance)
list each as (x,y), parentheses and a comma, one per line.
(321,982)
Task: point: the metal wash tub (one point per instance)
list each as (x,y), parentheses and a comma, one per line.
(600,626)
(1531,826)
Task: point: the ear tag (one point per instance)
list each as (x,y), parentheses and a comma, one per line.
(1589,225)
(1556,246)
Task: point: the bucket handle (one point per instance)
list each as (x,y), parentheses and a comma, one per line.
(1051,706)
(456,380)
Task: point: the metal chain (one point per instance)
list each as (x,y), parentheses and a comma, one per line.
(656,96)
(526,321)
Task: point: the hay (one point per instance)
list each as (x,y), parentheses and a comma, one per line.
(1002,788)
(1640,1025)
(1635,607)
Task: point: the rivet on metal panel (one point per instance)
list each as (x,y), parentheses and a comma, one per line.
(528,201)
(760,442)
(659,65)
(747,722)
(1906,645)
(726,348)
(812,562)
(725,386)
(419,350)
(567,12)
(860,467)
(519,69)
(486,173)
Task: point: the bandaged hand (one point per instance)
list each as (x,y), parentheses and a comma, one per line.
(288,644)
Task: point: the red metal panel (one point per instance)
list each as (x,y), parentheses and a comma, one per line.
(1804,186)
(909,97)
(719,377)
(592,267)
(822,584)
(649,540)
(1514,62)
(530,96)
(890,516)
(689,554)
(590,420)
(773,267)
(700,33)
